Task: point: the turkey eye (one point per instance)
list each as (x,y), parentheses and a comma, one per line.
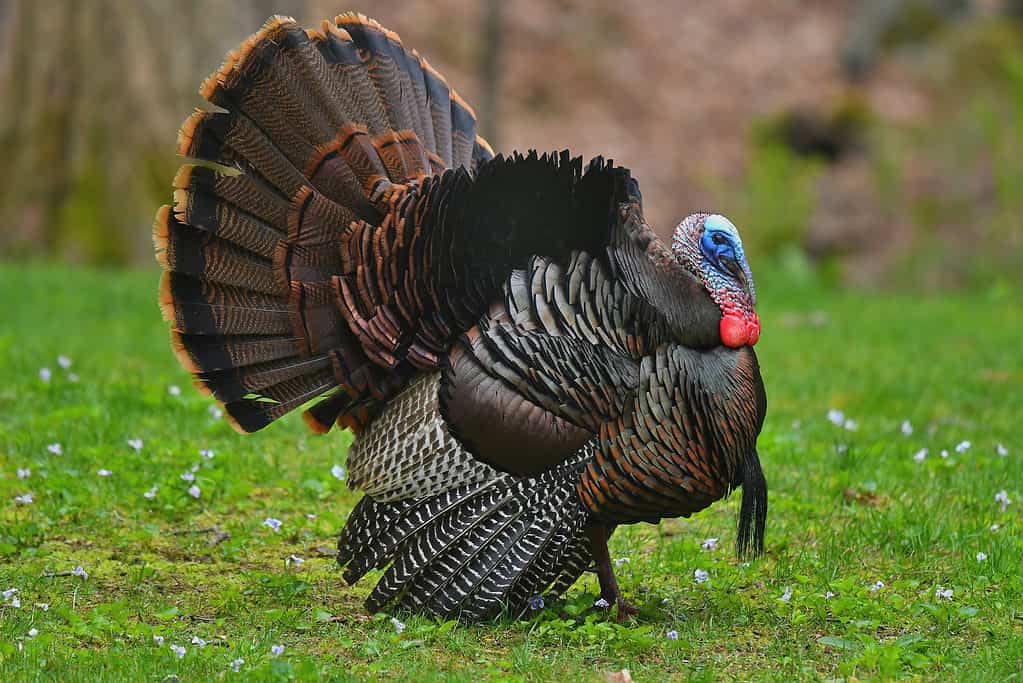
(718,238)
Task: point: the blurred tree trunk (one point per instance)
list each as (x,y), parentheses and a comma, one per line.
(93,95)
(490,72)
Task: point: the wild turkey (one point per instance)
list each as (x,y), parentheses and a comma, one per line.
(524,363)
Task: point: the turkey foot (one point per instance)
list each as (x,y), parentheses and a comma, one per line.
(609,591)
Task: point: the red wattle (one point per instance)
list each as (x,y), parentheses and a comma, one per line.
(754,331)
(733,331)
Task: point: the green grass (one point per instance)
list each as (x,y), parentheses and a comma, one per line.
(848,508)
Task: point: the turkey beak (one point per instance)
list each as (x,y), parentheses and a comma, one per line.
(736,271)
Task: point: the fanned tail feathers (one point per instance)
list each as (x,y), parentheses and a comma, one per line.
(322,129)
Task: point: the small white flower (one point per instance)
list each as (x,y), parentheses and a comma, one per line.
(293,560)
(44,606)
(158,639)
(174,390)
(79,571)
(398,626)
(944,453)
(194,491)
(217,413)
(672,634)
(601,603)
(850,425)
(9,593)
(24,473)
(943,593)
(194,468)
(620,561)
(963,446)
(787,595)
(907,427)
(277,650)
(45,375)
(1002,450)
(338,472)
(179,650)
(709,543)
(33,632)
(701,575)
(24,499)
(828,595)
(15,602)
(878,585)
(272,523)
(920,455)
(842,448)
(196,640)
(994,528)
(151,493)
(72,377)
(981,556)
(55,449)
(1003,498)
(836,417)
(104,472)
(64,362)
(188,476)
(206,453)
(135,444)
(236,665)
(310,515)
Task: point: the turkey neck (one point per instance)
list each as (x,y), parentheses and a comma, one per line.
(694,420)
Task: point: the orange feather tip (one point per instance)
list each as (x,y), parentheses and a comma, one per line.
(183,177)
(167,298)
(185,358)
(236,59)
(457,99)
(231,420)
(186,134)
(315,425)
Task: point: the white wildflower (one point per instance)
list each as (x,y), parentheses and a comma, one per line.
(79,571)
(206,453)
(158,639)
(709,544)
(398,626)
(194,491)
(151,493)
(981,556)
(194,468)
(44,606)
(828,595)
(842,448)
(15,602)
(1003,498)
(236,664)
(135,444)
(179,650)
(1002,450)
(787,595)
(33,632)
(620,561)
(907,427)
(196,640)
(103,472)
(9,593)
(672,634)
(188,476)
(338,472)
(601,603)
(24,473)
(174,390)
(850,425)
(836,417)
(943,593)
(994,528)
(963,446)
(944,453)
(920,455)
(272,523)
(277,650)
(55,449)
(701,575)
(310,515)
(294,560)
(24,499)
(878,585)
(217,413)
(45,374)
(64,362)
(72,377)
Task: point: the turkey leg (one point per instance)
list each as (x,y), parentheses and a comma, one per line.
(597,535)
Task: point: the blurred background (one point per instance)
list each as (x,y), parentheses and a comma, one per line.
(862,142)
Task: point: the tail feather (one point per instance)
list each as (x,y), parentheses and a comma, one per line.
(322,130)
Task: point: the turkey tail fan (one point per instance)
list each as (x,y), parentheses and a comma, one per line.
(472,552)
(319,130)
(753,512)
